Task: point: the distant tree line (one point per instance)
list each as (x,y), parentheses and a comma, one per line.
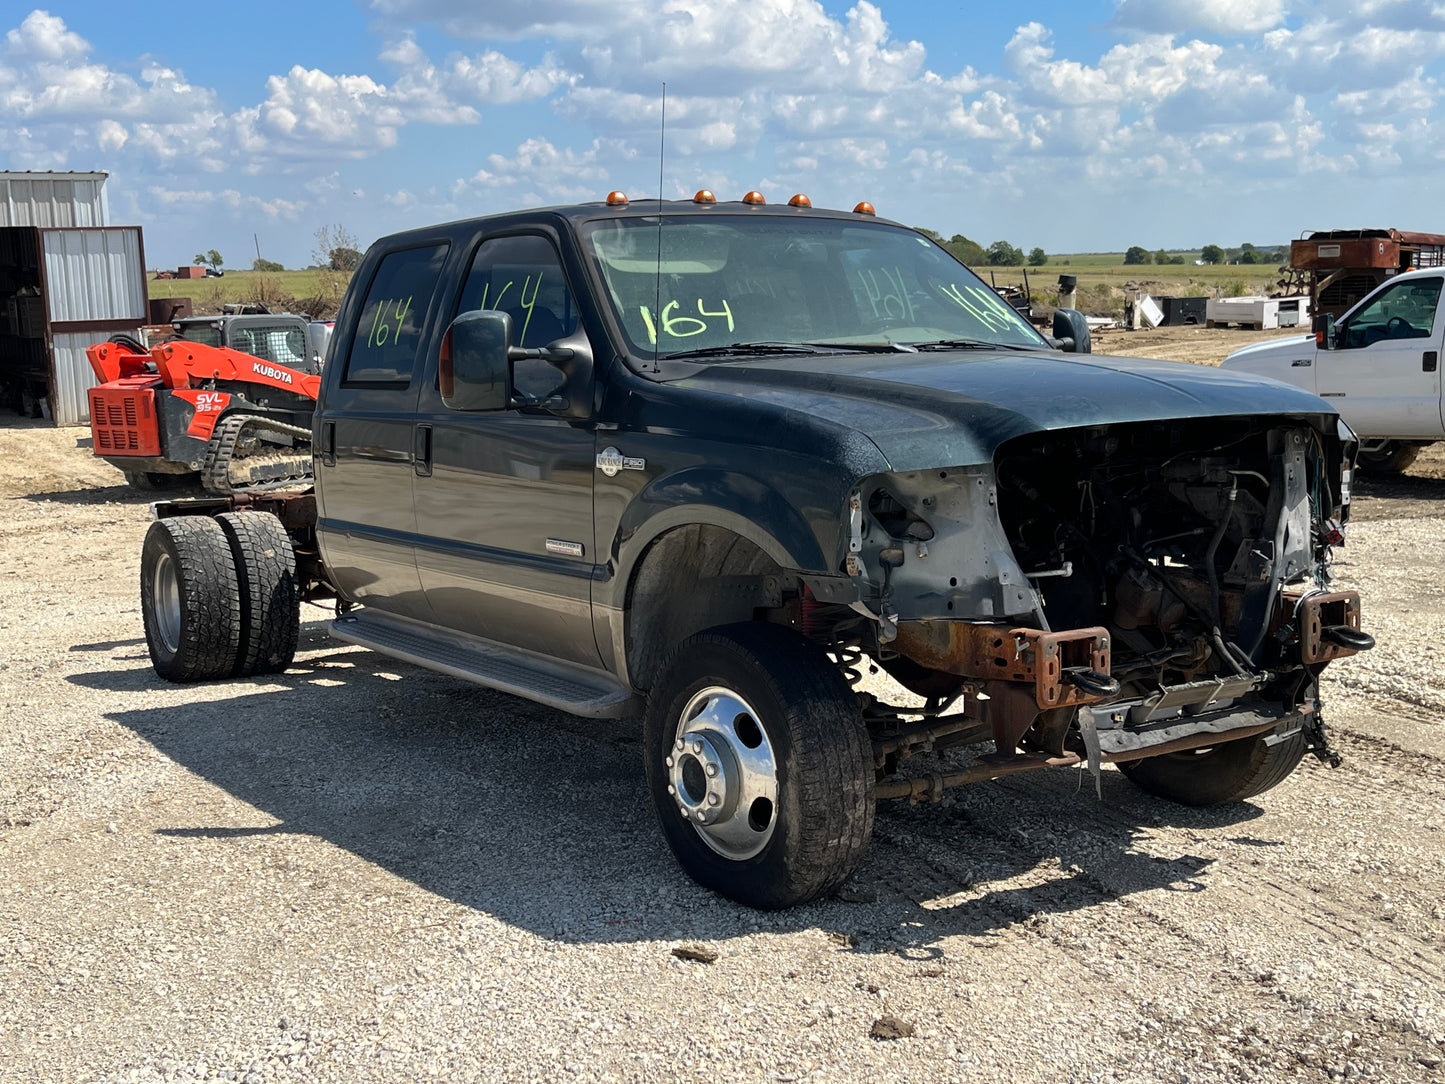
(1006,254)
(998,254)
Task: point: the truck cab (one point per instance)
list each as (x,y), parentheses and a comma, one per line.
(1379,365)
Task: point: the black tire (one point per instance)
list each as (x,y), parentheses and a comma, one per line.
(1220,774)
(1394,457)
(189,599)
(266,575)
(818,826)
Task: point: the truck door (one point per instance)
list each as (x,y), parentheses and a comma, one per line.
(364,454)
(504,506)
(1384,374)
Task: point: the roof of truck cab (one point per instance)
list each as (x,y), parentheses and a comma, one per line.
(578,213)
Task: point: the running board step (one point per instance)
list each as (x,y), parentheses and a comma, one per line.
(557,684)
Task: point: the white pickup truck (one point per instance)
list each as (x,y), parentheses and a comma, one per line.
(1378,365)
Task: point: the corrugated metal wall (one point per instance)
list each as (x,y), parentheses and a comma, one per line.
(40,199)
(94,274)
(90,275)
(73,377)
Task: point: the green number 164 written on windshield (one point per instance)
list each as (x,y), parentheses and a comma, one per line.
(682,327)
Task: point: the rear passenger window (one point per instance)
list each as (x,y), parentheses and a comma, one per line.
(388,335)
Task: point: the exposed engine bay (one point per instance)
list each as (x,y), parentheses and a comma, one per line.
(1113,589)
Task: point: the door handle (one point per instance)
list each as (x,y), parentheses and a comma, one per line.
(421,451)
(1430,361)
(328,444)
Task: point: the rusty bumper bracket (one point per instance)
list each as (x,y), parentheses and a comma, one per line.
(1328,625)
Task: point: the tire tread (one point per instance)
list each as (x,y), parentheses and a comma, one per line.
(266,578)
(210,599)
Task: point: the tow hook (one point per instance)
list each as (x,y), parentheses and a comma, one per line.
(1092,681)
(1345,636)
(1319,740)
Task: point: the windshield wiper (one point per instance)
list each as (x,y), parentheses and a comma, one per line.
(972,344)
(865,348)
(739,350)
(742,350)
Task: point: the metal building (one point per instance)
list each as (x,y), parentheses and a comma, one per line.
(62,289)
(53,199)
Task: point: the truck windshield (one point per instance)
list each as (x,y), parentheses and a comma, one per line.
(706,283)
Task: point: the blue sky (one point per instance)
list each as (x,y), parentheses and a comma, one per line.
(1081,126)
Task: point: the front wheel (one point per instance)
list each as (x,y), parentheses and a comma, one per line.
(1224,773)
(760,765)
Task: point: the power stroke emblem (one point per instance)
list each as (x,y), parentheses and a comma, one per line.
(610,461)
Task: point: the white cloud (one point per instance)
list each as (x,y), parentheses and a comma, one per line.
(1232,18)
(44,37)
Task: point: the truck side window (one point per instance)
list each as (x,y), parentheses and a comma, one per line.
(522,276)
(1406,310)
(384,347)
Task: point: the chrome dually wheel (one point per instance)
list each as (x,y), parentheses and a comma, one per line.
(722,773)
(760,765)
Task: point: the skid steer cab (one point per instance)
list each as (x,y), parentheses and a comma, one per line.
(186,411)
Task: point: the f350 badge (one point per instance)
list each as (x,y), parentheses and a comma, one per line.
(610,461)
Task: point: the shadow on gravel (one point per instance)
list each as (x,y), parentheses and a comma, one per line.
(118,494)
(1381,495)
(108,645)
(541,819)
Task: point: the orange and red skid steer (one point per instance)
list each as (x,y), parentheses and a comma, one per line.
(183,408)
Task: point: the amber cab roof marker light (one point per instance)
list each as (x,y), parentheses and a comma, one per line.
(616,199)
(704,195)
(800,200)
(754,197)
(864,208)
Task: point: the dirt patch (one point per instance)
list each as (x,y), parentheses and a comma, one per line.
(358,870)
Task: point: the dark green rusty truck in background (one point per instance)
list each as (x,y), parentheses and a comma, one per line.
(708,461)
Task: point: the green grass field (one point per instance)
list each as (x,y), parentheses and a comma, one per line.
(1101,282)
(1101,276)
(278,290)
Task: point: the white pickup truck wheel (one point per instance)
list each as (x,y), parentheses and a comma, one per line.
(760,765)
(1388,456)
(189,599)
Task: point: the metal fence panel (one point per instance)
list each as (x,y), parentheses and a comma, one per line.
(94,274)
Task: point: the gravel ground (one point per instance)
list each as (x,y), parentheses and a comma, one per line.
(360,871)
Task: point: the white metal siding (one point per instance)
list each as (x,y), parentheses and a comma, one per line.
(74,377)
(94,274)
(51,199)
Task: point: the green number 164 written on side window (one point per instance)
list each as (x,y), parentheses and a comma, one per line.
(386,326)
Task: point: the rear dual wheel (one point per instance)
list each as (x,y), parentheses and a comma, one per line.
(218,596)
(760,765)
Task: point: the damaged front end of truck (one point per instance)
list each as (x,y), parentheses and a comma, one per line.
(1155,594)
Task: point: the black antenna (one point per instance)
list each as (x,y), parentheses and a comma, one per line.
(657,299)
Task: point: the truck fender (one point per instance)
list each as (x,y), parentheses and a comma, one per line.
(735,502)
